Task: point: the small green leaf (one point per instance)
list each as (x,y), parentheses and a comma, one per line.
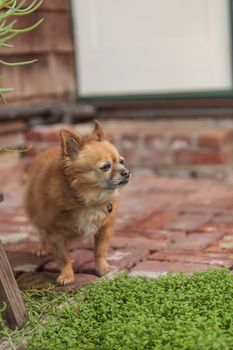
(13,64)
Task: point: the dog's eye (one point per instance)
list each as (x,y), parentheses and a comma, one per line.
(121,161)
(105,167)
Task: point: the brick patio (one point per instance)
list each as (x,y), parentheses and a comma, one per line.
(164,224)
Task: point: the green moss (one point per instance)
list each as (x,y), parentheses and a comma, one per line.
(173,312)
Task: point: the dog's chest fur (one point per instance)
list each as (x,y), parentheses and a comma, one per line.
(89,221)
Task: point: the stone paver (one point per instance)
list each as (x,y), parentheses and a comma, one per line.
(209,258)
(168,266)
(26,261)
(189,222)
(139,241)
(163,224)
(120,259)
(196,241)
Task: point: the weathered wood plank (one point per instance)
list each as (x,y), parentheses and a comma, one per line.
(53,35)
(9,293)
(50,78)
(56,5)
(52,74)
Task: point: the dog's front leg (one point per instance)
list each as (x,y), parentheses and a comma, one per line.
(101,243)
(59,244)
(42,248)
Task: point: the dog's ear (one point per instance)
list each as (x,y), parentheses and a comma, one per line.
(71,143)
(98,133)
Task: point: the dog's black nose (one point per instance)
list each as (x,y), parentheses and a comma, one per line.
(125,173)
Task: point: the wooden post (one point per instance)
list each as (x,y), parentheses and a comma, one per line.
(9,292)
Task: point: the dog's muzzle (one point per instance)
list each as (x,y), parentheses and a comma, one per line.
(125,174)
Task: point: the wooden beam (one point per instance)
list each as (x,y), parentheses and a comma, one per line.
(15,312)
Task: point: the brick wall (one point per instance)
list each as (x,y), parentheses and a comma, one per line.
(165,147)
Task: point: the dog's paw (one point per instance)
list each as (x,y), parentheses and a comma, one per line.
(103,268)
(65,278)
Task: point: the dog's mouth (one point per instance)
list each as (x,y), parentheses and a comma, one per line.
(120,183)
(123,182)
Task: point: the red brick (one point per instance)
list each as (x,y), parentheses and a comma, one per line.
(33,135)
(209,228)
(47,133)
(139,242)
(223,220)
(129,141)
(81,280)
(127,258)
(11,227)
(155,158)
(137,207)
(76,244)
(11,176)
(198,208)
(120,259)
(79,257)
(215,138)
(34,150)
(203,158)
(189,222)
(209,258)
(159,184)
(145,202)
(14,139)
(9,160)
(155,142)
(13,218)
(156,221)
(171,235)
(12,127)
(24,261)
(132,157)
(23,246)
(166,266)
(13,237)
(195,241)
(178,143)
(16,228)
(225,244)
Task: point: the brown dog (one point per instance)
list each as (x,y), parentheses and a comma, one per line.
(72,192)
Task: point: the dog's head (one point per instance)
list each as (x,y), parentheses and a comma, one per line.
(92,160)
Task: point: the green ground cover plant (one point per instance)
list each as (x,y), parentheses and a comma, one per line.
(172,312)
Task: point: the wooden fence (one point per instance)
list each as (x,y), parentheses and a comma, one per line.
(53,76)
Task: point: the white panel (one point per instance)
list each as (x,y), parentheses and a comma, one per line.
(152,46)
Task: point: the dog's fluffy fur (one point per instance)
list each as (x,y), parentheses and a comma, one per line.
(72,192)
